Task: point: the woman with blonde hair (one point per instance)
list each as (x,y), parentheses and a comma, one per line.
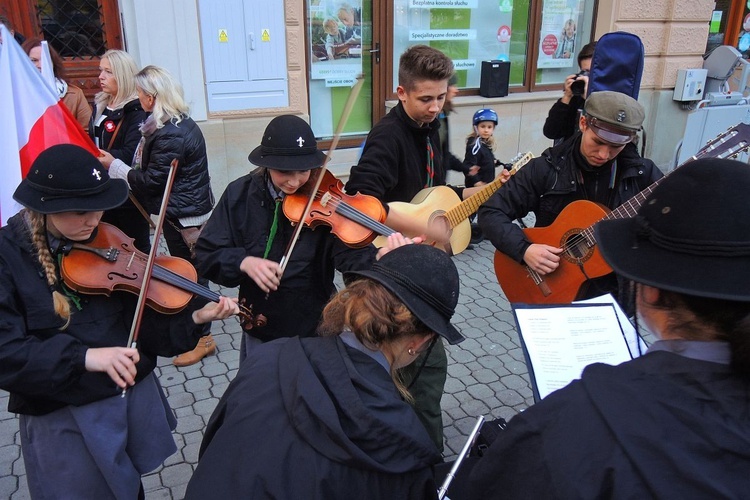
(115,128)
(170,134)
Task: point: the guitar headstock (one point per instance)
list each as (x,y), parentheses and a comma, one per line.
(519,161)
(729,144)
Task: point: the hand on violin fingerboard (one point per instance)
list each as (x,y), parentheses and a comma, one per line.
(227,306)
(265,273)
(396,240)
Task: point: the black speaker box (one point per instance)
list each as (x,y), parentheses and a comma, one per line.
(493,81)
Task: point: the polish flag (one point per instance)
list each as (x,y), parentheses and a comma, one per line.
(32,119)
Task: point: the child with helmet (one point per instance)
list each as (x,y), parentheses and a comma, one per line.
(479,148)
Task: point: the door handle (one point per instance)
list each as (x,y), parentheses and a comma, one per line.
(376,51)
(251,41)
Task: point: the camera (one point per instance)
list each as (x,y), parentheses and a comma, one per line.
(579,85)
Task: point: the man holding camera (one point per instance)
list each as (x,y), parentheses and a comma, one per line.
(562,120)
(595,165)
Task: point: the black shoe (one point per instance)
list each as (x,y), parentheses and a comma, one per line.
(476,234)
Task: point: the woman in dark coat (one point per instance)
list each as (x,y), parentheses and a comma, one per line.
(170,134)
(114,127)
(325,418)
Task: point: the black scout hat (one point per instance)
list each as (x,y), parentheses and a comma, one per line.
(614,116)
(691,235)
(288,144)
(425,279)
(67,178)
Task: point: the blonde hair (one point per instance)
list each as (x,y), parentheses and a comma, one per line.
(124,70)
(375,316)
(38,230)
(169,100)
(489,142)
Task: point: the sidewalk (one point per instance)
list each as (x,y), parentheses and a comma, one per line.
(486,376)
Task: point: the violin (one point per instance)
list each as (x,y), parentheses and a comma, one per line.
(110,262)
(355,219)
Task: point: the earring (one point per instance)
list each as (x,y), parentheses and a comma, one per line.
(411,351)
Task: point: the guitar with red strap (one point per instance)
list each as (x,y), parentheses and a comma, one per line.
(573,231)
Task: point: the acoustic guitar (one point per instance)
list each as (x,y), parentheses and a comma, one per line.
(441,205)
(573,231)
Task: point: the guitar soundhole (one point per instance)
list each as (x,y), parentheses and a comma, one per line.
(576,248)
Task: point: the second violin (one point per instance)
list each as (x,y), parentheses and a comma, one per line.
(356,219)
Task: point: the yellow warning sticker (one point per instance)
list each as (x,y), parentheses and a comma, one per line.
(223,38)
(265,36)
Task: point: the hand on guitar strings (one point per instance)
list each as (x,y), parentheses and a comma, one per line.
(542,258)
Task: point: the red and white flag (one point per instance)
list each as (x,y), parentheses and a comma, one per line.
(32,119)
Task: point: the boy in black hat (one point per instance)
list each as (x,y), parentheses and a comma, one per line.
(63,354)
(594,165)
(326,417)
(248,233)
(672,423)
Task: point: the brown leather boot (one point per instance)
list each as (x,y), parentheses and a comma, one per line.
(206,346)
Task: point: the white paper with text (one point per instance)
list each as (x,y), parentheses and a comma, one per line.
(561,341)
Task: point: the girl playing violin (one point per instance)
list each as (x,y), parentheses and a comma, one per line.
(247,235)
(62,355)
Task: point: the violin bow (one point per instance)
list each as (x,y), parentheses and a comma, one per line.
(141,304)
(334,143)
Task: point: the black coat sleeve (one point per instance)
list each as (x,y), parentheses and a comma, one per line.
(562,120)
(515,200)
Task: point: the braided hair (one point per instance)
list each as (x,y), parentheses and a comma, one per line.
(37,224)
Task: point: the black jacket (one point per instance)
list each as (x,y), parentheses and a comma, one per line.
(660,426)
(562,120)
(191,192)
(313,419)
(239,227)
(131,115)
(548,184)
(393,165)
(43,367)
(484,158)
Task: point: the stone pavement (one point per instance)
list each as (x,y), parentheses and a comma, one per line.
(486,376)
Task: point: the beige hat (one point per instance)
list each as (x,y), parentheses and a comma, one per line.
(614,116)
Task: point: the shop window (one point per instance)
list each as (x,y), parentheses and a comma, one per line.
(540,38)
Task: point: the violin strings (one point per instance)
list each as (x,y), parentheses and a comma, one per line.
(357,216)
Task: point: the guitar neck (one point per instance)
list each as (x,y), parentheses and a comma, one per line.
(463,210)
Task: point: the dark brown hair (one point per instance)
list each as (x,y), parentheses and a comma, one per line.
(587,52)
(701,318)
(420,62)
(57,63)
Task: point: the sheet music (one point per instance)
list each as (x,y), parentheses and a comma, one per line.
(627,327)
(560,341)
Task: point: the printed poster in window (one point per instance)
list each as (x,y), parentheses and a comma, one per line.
(335,34)
(557,37)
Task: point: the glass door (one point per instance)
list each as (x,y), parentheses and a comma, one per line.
(340,49)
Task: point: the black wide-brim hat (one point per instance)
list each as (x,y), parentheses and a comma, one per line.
(691,235)
(68,178)
(425,279)
(288,144)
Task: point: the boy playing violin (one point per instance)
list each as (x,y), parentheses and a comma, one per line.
(248,233)
(63,355)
